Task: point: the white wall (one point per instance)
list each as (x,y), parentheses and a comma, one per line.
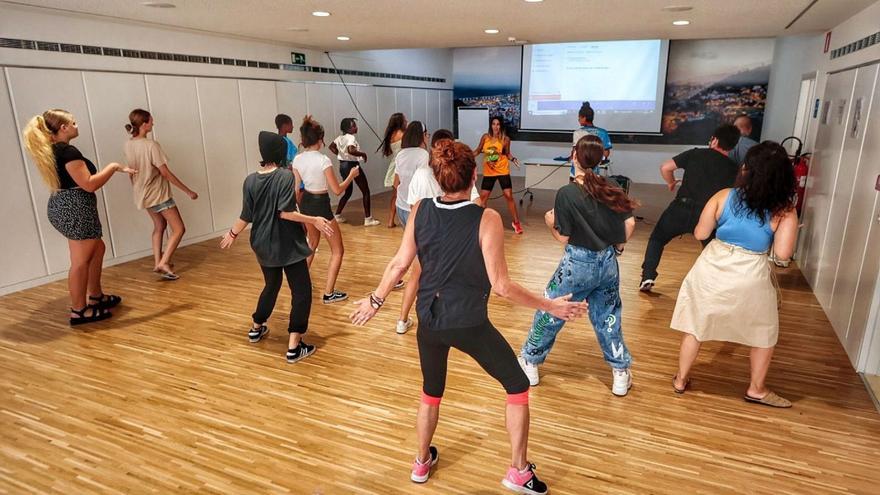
(793,56)
(207,119)
(838,252)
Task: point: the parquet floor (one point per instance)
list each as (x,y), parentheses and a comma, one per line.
(168,396)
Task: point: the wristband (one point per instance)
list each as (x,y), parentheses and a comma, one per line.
(376,302)
(233,234)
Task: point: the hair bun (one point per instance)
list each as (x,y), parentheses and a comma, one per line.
(128,127)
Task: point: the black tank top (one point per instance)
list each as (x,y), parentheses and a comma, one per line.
(454,287)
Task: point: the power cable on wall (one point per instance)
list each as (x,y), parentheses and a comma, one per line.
(351,97)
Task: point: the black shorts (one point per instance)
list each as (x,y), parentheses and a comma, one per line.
(482,342)
(489,182)
(316,205)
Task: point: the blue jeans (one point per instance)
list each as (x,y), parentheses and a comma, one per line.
(586,275)
(403,215)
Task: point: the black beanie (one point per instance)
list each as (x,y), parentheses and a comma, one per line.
(273,148)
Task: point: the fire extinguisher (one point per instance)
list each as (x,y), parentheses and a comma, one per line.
(801,163)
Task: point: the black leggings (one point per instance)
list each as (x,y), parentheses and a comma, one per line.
(483,343)
(679,218)
(361,181)
(301,290)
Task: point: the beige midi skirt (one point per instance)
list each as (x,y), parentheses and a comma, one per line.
(728,295)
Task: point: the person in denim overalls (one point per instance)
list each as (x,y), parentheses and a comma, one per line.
(593,217)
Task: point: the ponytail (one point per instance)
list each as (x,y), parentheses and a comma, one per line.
(311,132)
(589,152)
(38,140)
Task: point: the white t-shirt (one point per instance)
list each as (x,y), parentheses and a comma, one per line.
(424,185)
(311,166)
(405,165)
(342,143)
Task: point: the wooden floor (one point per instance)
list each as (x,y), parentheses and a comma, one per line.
(169,397)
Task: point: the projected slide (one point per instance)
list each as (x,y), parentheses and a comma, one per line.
(622,80)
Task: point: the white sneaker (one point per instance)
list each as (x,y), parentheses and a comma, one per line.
(371,222)
(403,326)
(623,381)
(340,219)
(646,285)
(531,371)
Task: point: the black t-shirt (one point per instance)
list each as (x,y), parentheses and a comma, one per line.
(275,241)
(588,223)
(706,172)
(64,154)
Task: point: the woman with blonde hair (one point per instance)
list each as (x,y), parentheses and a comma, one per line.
(73,208)
(152,189)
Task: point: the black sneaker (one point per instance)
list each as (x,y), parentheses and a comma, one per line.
(646,285)
(300,352)
(336,296)
(256,334)
(524,481)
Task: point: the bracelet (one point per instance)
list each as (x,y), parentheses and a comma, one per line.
(375,301)
(233,234)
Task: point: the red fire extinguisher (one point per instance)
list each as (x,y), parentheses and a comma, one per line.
(801,163)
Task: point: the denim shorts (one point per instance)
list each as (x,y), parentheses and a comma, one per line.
(403,215)
(167,205)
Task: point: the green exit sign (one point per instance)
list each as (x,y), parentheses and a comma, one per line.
(298,58)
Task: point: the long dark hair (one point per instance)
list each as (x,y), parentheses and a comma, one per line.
(500,120)
(766,183)
(397,122)
(414,136)
(590,151)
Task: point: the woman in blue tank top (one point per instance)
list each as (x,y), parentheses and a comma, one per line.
(728,294)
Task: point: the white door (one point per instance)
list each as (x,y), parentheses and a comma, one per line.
(823,173)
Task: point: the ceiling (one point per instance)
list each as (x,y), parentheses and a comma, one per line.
(375,24)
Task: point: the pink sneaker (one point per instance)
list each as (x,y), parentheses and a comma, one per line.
(525,481)
(517,227)
(421,471)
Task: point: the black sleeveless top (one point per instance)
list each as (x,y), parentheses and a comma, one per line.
(454,286)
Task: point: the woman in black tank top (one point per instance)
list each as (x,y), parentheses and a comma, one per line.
(461,249)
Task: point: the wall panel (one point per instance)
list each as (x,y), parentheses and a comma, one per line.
(259,107)
(225,154)
(446,110)
(419,106)
(292,101)
(111,96)
(34,91)
(18,221)
(376,166)
(433,119)
(404,102)
(174,104)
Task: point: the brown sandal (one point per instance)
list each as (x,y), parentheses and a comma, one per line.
(771,399)
(677,390)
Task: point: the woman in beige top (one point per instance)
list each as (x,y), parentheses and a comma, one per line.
(152,189)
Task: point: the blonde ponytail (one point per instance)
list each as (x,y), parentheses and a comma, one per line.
(38,141)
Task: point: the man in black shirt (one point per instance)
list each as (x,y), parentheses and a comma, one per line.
(706,171)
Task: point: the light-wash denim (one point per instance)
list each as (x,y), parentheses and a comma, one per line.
(586,275)
(403,215)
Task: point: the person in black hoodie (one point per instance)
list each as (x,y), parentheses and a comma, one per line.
(279,241)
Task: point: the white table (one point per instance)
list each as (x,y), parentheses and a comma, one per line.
(546,173)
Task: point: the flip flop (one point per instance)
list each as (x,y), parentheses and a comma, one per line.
(677,390)
(168,275)
(771,399)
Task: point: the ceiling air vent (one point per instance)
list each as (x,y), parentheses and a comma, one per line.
(855,46)
(55,46)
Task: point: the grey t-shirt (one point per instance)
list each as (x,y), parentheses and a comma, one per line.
(275,241)
(738,153)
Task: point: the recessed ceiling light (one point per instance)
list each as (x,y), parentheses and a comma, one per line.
(320,13)
(680,23)
(159,5)
(491,31)
(343,38)
(534,1)
(677,8)
(298,29)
